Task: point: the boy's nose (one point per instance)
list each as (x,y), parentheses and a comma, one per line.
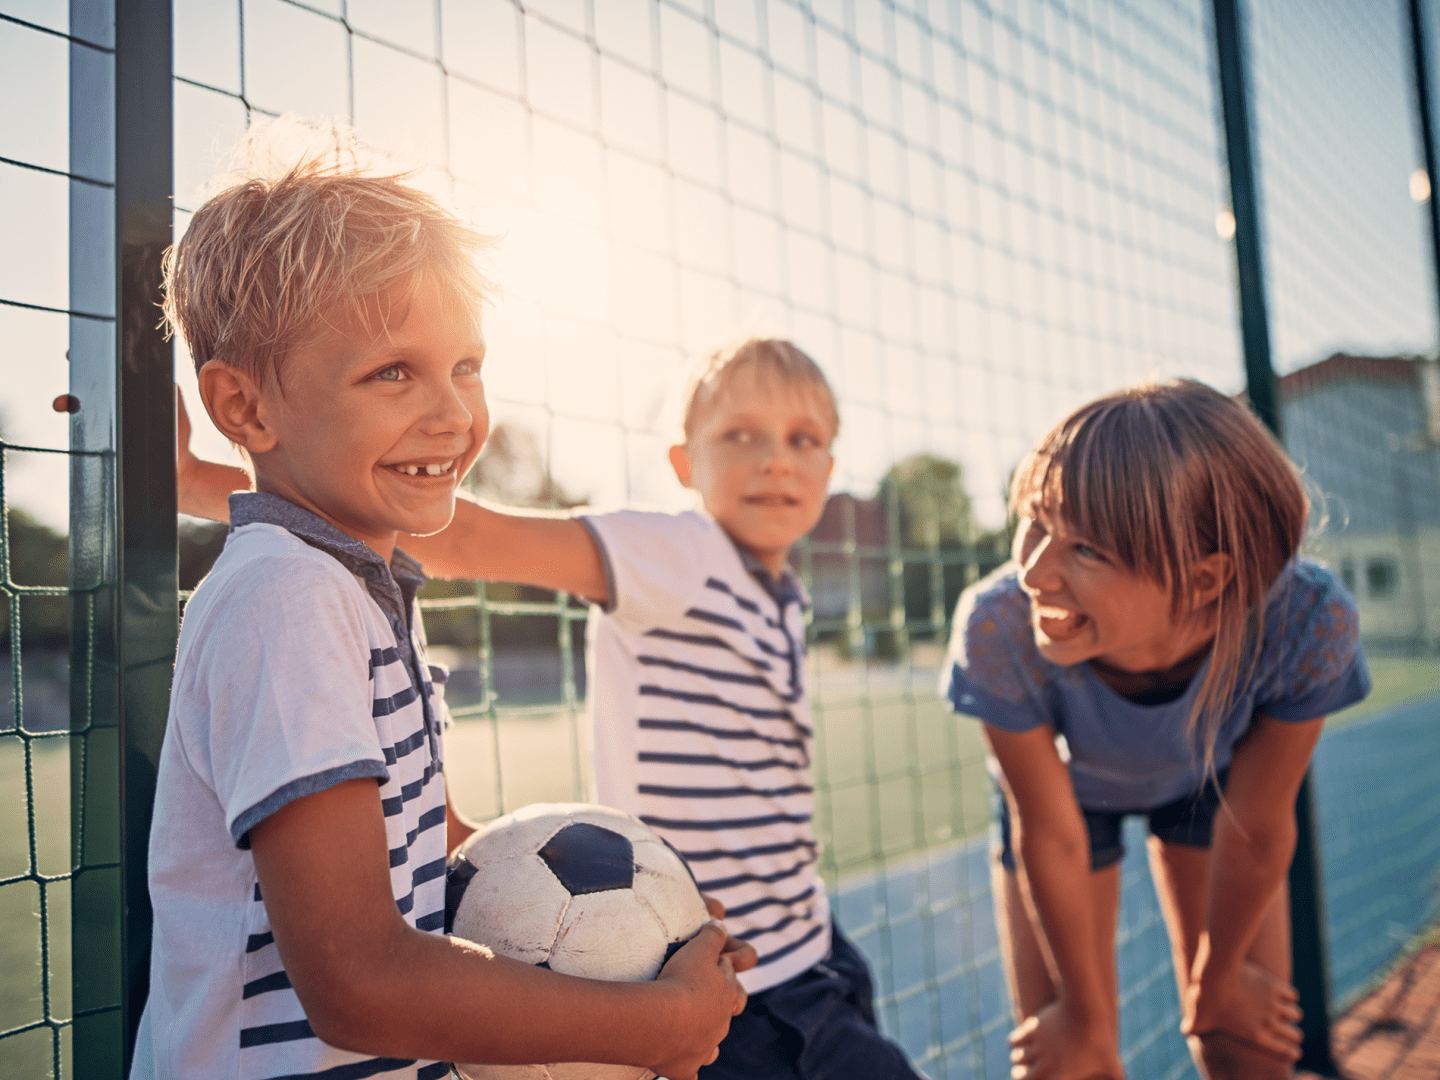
(449,411)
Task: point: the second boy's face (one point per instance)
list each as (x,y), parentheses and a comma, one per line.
(760,459)
(374,436)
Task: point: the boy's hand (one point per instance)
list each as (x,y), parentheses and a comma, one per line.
(1053,1045)
(1252,1005)
(704,995)
(742,954)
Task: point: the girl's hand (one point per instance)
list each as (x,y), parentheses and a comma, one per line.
(1252,1006)
(704,994)
(1053,1045)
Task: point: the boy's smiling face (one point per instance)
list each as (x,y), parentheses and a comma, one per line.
(374,436)
(760,459)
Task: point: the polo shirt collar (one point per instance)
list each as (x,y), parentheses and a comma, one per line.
(786,589)
(393,586)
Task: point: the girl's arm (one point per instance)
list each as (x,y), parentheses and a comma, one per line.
(1079,1032)
(532,547)
(1250,854)
(372,984)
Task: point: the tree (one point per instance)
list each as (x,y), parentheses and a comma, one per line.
(935,510)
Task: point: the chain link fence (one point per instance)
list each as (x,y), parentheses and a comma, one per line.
(975,217)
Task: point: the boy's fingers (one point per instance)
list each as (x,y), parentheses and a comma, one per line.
(713,906)
(742,954)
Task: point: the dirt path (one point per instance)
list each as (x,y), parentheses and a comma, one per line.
(1394,1034)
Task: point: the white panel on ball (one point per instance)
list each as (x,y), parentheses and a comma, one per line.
(664,883)
(608,935)
(515,906)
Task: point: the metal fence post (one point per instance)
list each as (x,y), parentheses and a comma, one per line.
(1307,902)
(122,526)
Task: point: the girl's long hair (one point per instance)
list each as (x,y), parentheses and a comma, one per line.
(1162,475)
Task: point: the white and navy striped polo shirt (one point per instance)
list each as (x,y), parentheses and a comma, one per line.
(702,727)
(301,664)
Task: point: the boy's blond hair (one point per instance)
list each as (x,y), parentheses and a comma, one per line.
(269,264)
(775,357)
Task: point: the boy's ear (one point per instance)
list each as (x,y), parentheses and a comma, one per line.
(680,462)
(1209,578)
(232,398)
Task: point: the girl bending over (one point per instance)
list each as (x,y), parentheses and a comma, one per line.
(1156,647)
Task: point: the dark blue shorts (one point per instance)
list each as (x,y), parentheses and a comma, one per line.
(820,1025)
(1187,820)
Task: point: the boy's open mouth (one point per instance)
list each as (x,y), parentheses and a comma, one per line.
(417,468)
(1059,624)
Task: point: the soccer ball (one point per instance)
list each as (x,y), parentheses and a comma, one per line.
(583,890)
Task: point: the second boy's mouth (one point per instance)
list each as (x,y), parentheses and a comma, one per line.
(772,500)
(422,468)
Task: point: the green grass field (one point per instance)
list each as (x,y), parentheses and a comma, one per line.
(896,774)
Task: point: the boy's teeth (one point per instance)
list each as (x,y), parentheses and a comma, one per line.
(430,470)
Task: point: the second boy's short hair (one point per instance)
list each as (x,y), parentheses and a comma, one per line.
(271,264)
(771,356)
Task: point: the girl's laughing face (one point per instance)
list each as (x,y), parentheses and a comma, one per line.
(1085,605)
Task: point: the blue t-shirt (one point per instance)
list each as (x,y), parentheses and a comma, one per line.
(1125,756)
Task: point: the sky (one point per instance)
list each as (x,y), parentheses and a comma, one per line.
(975,217)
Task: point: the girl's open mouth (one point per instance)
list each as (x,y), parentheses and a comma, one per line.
(1059,624)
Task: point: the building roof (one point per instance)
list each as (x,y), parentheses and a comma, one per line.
(1344,367)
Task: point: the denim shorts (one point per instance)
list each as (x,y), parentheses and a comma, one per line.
(1187,820)
(820,1025)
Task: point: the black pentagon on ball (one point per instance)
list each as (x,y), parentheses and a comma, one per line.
(590,858)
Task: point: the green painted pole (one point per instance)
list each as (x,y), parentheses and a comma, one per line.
(122,529)
(1309,950)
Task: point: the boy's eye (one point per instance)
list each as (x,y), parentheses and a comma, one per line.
(740,435)
(1088,552)
(804,441)
(393,373)
(467,367)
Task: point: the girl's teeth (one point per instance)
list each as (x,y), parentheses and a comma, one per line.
(412,470)
(435,470)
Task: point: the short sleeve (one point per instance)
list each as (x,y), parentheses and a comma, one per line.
(993,670)
(655,564)
(275,688)
(1322,668)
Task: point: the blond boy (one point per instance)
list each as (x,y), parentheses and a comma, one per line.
(697,688)
(301,822)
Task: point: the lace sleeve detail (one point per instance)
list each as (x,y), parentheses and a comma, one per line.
(1322,667)
(993,670)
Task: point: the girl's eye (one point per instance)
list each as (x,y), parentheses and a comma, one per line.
(467,367)
(739,435)
(805,441)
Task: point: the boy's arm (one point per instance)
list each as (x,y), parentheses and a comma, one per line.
(202,488)
(372,984)
(547,550)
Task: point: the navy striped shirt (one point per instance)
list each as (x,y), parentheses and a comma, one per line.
(301,665)
(702,724)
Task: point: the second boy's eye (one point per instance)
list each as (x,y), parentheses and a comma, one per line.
(1088,552)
